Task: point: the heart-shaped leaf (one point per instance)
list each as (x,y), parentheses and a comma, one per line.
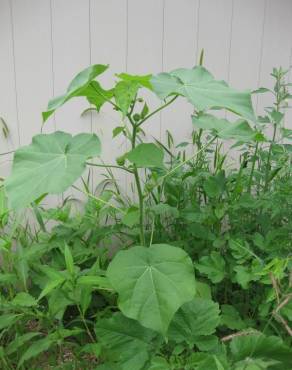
(49,165)
(127,343)
(195,318)
(77,87)
(146,155)
(152,283)
(203,91)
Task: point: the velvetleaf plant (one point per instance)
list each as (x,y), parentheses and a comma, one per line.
(189,215)
(53,162)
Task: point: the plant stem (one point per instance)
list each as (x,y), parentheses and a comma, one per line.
(269,159)
(85,324)
(108,166)
(157,110)
(138,184)
(189,159)
(252,167)
(105,97)
(99,199)
(141,206)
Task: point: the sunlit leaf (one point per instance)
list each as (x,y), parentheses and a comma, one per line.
(77,87)
(50,164)
(203,91)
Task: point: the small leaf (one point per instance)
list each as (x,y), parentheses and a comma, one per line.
(144,111)
(96,95)
(159,363)
(35,349)
(117,130)
(19,341)
(100,282)
(51,285)
(261,90)
(239,130)
(24,300)
(213,266)
(69,260)
(243,276)
(124,93)
(7,320)
(152,283)
(143,80)
(131,218)
(146,155)
(231,318)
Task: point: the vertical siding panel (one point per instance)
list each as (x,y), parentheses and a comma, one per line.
(70,35)
(179,51)
(32,63)
(8,97)
(71,54)
(276,44)
(215,19)
(33,66)
(108,46)
(145,32)
(245,53)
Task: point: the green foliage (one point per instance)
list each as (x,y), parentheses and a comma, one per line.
(203,91)
(152,283)
(146,155)
(109,282)
(79,86)
(49,165)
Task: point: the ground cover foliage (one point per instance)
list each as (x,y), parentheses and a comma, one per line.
(194,272)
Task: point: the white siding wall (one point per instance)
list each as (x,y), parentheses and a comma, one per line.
(44,43)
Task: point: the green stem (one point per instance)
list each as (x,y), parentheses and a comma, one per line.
(269,159)
(105,97)
(252,167)
(85,324)
(138,185)
(157,110)
(108,166)
(99,199)
(189,159)
(141,206)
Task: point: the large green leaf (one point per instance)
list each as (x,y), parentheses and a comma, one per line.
(152,283)
(195,318)
(146,155)
(49,165)
(77,87)
(239,130)
(260,347)
(203,91)
(125,341)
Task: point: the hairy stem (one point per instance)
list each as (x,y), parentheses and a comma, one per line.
(138,185)
(252,167)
